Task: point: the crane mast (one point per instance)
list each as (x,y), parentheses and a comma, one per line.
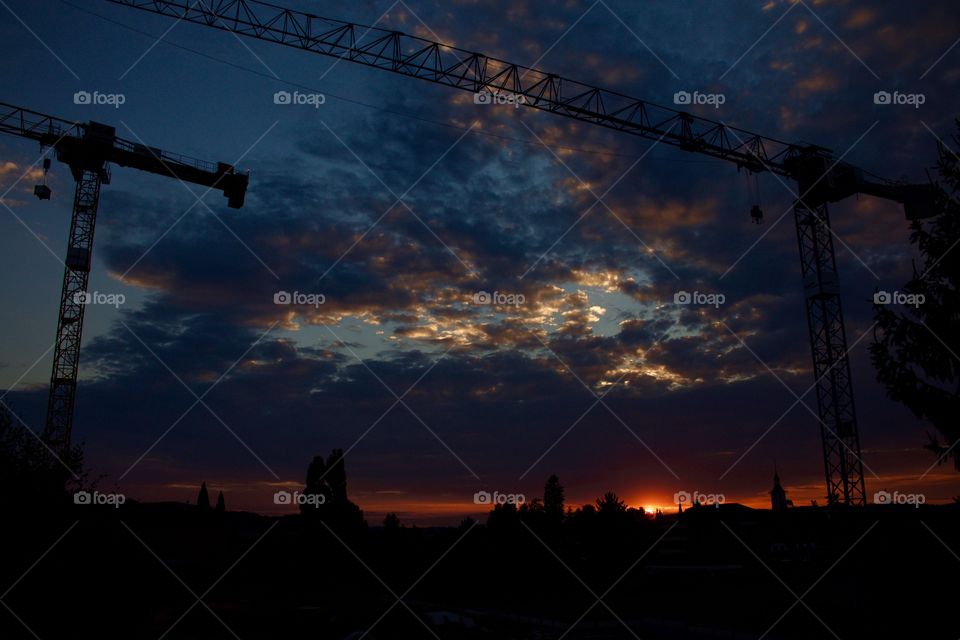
(821,178)
(88,149)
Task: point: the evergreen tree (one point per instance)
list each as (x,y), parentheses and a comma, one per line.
(203,498)
(221,505)
(610,503)
(553,499)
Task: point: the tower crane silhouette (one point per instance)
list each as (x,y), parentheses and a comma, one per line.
(821,176)
(89,149)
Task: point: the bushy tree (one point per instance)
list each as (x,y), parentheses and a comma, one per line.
(503,518)
(337,476)
(326,483)
(915,350)
(391,522)
(316,486)
(31,476)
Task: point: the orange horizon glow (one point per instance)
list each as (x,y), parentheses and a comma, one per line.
(257,497)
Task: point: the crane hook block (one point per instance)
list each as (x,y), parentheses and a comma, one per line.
(42,191)
(756,214)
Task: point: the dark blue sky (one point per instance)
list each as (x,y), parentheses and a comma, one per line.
(497,212)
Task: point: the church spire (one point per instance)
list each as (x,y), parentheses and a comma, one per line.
(778,496)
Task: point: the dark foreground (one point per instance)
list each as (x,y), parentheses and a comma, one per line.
(172,571)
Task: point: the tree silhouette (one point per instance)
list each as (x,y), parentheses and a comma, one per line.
(391,522)
(610,503)
(30,476)
(503,518)
(316,486)
(327,485)
(203,498)
(337,476)
(553,499)
(915,352)
(221,505)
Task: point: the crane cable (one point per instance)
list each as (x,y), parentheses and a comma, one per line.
(753,197)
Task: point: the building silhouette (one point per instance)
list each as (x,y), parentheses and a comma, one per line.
(778,496)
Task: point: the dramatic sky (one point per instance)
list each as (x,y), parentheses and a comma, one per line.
(399,200)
